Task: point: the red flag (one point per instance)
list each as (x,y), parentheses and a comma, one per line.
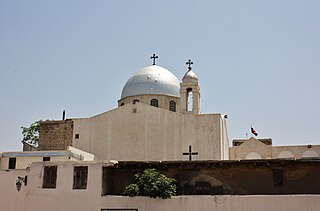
(254,131)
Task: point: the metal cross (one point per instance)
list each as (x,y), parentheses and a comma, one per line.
(190,153)
(189,63)
(154,57)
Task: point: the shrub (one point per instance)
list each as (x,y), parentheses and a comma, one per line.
(151,183)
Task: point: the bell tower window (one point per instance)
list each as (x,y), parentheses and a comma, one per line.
(172,106)
(189,99)
(154,102)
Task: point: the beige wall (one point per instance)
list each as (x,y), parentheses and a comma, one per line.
(218,203)
(224,137)
(142,132)
(81,155)
(250,147)
(34,198)
(24,159)
(24,162)
(297,151)
(254,146)
(3,163)
(10,199)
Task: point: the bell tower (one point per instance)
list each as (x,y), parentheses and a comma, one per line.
(190,92)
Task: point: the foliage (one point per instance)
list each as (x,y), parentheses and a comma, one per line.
(151,183)
(31,133)
(132,190)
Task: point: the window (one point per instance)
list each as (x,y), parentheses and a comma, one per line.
(203,188)
(277,176)
(122,104)
(80,175)
(109,182)
(154,102)
(189,99)
(46,159)
(12,163)
(77,136)
(172,106)
(135,101)
(50,177)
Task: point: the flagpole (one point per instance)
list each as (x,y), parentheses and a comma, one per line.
(250,130)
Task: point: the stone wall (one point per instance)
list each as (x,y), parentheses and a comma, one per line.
(55,135)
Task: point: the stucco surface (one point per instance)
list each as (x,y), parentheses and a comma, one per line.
(253,145)
(142,132)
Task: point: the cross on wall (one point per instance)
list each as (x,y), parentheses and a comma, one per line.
(190,153)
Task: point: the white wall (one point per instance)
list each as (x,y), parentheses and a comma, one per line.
(34,198)
(10,198)
(217,203)
(85,156)
(151,134)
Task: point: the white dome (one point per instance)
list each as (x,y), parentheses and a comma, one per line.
(152,80)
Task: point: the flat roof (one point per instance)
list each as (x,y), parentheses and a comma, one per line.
(36,154)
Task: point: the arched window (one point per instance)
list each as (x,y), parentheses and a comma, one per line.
(135,101)
(203,188)
(189,99)
(172,106)
(253,156)
(154,102)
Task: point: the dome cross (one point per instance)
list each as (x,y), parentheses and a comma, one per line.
(154,57)
(189,63)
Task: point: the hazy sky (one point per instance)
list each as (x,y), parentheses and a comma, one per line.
(257,61)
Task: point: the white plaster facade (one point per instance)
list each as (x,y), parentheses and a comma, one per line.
(143,132)
(24,160)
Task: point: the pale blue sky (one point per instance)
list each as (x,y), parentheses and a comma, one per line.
(257,61)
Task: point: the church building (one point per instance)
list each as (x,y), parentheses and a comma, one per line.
(157,119)
(157,124)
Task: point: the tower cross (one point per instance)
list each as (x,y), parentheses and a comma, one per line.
(189,63)
(154,57)
(190,153)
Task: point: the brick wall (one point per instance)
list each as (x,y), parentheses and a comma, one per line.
(55,135)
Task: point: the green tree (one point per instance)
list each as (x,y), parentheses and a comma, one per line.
(31,133)
(151,183)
